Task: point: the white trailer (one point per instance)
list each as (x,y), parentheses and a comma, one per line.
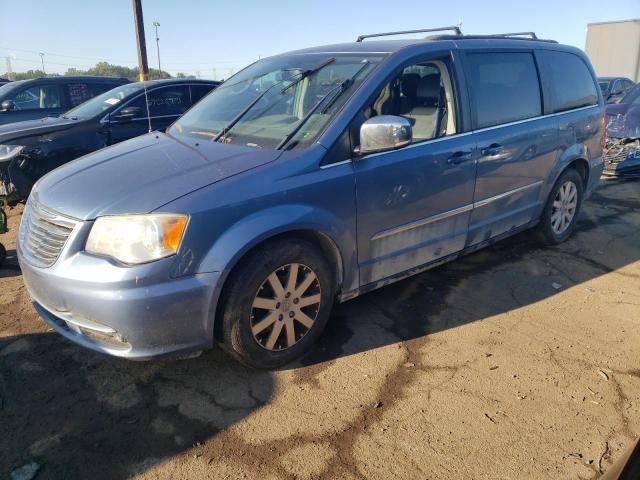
(614,48)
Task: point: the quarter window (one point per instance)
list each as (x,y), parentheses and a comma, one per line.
(571,83)
(504,88)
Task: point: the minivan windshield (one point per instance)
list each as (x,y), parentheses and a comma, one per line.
(97,105)
(277,102)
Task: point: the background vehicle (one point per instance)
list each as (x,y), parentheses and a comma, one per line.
(614,88)
(114,116)
(41,97)
(308,177)
(622,155)
(3,81)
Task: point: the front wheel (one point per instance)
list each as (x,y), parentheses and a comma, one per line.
(559,217)
(276,303)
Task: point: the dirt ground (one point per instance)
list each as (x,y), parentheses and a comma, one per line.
(519,361)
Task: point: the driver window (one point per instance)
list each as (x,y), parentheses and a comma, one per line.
(38,97)
(423,94)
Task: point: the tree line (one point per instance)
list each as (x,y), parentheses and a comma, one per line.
(102,69)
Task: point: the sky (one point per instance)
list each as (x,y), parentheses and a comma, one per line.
(212,39)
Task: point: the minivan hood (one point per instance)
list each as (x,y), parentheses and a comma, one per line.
(27,128)
(142,174)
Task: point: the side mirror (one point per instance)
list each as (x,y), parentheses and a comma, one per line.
(128,113)
(383,133)
(7,105)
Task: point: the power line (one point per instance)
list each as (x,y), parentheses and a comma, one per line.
(103,59)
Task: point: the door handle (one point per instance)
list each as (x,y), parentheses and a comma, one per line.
(459,157)
(495,151)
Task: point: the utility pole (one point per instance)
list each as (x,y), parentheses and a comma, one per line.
(9,71)
(156,25)
(143,66)
(42,60)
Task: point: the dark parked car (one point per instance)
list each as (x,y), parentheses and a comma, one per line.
(36,147)
(614,88)
(3,81)
(306,178)
(40,97)
(622,155)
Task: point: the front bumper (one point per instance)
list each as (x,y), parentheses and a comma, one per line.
(135,312)
(622,158)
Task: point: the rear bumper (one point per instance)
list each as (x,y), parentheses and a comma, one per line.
(141,316)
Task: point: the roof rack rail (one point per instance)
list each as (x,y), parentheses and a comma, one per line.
(403,32)
(517,34)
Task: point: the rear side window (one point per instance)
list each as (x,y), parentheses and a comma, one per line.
(570,81)
(504,88)
(78,93)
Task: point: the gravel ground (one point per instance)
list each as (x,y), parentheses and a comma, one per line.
(518,361)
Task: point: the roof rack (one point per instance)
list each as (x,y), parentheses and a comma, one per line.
(387,34)
(517,34)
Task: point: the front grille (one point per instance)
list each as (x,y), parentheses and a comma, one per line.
(43,234)
(614,156)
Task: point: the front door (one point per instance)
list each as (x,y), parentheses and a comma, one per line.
(414,203)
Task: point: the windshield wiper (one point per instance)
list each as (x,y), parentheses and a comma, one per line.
(308,72)
(301,76)
(332,95)
(244,111)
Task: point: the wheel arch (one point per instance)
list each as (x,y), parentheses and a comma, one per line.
(332,237)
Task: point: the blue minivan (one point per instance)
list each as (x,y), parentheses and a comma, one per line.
(309,178)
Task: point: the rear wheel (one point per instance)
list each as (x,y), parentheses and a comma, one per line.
(277,303)
(560,214)
(3,254)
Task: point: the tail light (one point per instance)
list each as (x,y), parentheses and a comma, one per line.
(603,138)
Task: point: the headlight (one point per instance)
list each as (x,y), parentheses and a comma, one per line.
(137,239)
(7,152)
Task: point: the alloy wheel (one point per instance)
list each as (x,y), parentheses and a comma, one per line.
(564,207)
(285,307)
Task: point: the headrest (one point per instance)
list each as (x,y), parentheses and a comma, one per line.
(429,87)
(409,84)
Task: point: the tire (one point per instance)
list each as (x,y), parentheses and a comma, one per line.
(3,254)
(555,227)
(255,311)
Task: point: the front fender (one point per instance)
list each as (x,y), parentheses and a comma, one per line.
(250,231)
